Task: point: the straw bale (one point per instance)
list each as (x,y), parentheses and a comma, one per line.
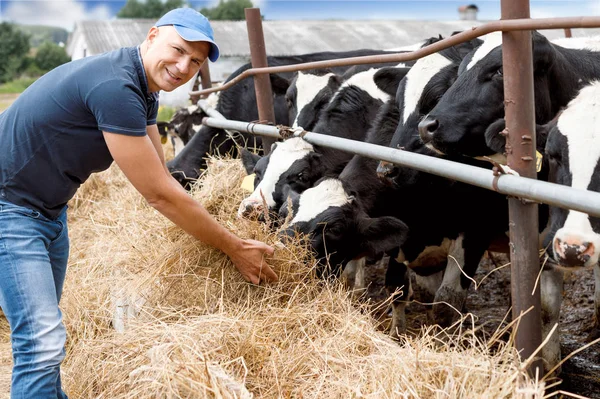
(191,327)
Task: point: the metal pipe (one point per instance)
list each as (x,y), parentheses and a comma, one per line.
(494,26)
(262,83)
(202,77)
(519,106)
(541,191)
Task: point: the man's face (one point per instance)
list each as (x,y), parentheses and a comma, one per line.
(169,60)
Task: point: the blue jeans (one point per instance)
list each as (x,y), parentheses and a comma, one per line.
(33,262)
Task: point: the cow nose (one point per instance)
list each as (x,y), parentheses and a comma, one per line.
(387,171)
(185,181)
(427,128)
(249,206)
(286,234)
(572,252)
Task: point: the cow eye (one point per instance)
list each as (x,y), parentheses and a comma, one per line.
(499,72)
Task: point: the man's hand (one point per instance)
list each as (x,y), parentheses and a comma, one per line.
(249,259)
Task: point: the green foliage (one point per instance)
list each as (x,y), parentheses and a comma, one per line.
(40,34)
(14,46)
(230,10)
(50,55)
(16,86)
(153,9)
(165,113)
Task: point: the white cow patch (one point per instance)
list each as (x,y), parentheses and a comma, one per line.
(364,80)
(213,99)
(580,123)
(282,157)
(192,108)
(177,144)
(317,199)
(490,42)
(418,77)
(308,86)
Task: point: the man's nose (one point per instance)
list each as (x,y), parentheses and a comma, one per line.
(183,66)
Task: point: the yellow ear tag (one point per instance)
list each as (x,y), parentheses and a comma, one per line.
(248,183)
(538,161)
(163,139)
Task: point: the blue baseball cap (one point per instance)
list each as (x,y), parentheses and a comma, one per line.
(191,26)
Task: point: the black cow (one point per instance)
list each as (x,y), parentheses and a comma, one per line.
(458,123)
(299,164)
(239,103)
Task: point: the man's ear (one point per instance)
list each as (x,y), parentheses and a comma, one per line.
(152,34)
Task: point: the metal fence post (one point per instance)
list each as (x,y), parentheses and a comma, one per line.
(262,83)
(202,77)
(520,148)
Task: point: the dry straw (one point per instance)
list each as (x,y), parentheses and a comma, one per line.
(153,313)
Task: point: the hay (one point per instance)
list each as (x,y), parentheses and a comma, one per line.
(192,328)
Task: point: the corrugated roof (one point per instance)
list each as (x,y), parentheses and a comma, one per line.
(290,37)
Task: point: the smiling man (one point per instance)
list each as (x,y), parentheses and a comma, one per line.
(74,121)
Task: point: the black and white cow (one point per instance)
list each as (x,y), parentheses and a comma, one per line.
(435,209)
(573,153)
(239,103)
(458,123)
(299,164)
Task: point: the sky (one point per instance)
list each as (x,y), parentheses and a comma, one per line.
(64,13)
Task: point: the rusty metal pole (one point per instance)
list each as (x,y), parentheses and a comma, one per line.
(202,77)
(520,148)
(262,83)
(568,32)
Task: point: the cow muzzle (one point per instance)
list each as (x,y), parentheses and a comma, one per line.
(427,128)
(250,206)
(387,172)
(572,251)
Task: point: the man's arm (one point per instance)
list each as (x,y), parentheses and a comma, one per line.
(138,159)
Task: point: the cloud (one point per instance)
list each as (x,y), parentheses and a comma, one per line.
(62,13)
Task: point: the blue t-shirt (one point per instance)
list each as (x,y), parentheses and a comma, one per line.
(51,137)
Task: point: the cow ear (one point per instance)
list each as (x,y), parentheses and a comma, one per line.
(249,160)
(381,234)
(279,84)
(387,79)
(544,53)
(290,202)
(493,137)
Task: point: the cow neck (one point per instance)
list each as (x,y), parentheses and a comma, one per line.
(572,70)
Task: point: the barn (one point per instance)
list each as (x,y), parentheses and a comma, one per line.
(281,38)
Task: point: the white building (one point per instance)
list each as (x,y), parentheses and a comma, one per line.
(281,38)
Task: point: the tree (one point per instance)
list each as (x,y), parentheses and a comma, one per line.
(230,10)
(14,46)
(50,55)
(153,9)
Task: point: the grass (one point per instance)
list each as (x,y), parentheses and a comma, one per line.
(16,86)
(165,113)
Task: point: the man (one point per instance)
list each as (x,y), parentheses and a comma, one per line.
(74,121)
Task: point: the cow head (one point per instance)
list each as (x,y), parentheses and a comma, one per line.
(337,227)
(573,152)
(417,94)
(292,162)
(457,124)
(308,93)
